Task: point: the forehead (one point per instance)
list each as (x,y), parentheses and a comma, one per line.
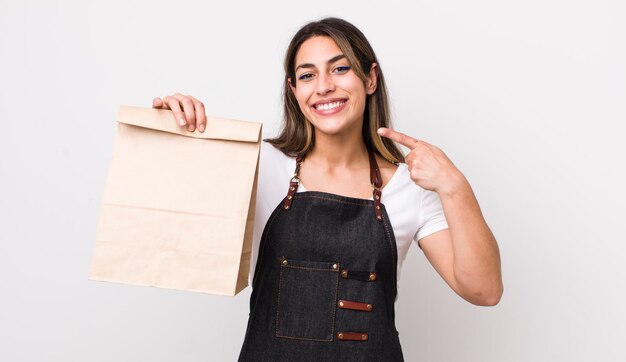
(317,50)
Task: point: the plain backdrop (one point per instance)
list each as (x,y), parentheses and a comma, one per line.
(526,97)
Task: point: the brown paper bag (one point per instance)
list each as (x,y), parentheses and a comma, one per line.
(178,206)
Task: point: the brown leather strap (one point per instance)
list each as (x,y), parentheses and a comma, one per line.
(352,336)
(377,183)
(375,178)
(353,305)
(293,184)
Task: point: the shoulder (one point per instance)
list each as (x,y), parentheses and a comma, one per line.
(274,172)
(268,150)
(274,166)
(401,188)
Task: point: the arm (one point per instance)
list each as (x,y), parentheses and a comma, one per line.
(466,254)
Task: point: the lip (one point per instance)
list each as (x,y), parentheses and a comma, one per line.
(329,111)
(329,100)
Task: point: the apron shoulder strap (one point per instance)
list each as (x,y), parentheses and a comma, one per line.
(293,184)
(375,178)
(377,182)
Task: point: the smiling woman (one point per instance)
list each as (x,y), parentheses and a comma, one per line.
(331,97)
(328,255)
(320,54)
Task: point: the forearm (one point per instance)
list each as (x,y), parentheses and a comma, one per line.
(476,262)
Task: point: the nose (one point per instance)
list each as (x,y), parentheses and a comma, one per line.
(325,84)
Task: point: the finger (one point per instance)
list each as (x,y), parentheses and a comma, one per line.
(158,103)
(401,138)
(190,114)
(201,120)
(174,105)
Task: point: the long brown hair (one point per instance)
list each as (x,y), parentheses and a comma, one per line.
(297,136)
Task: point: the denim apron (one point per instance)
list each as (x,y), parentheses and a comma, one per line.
(325,280)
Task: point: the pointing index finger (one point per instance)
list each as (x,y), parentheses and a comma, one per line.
(399,137)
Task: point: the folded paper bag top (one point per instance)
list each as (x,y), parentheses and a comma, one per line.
(163,120)
(178,207)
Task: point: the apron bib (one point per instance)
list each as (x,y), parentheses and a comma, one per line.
(324,286)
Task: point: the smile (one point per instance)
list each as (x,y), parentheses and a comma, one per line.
(329,107)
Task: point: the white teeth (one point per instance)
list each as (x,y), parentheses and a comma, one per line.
(328,106)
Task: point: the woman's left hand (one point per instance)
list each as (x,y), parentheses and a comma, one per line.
(428,166)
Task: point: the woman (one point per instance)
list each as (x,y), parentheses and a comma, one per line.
(338,206)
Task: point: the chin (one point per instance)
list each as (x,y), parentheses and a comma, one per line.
(331,129)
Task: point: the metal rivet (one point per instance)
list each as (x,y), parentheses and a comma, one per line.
(377,197)
(292,188)
(284,262)
(335,266)
(344,273)
(286,207)
(341,303)
(364,337)
(369,307)
(377,207)
(340,335)
(379,218)
(289,197)
(373,276)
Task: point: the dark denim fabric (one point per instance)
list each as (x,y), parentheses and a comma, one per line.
(297,283)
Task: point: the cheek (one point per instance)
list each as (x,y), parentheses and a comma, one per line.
(302,95)
(304,108)
(358,104)
(356,88)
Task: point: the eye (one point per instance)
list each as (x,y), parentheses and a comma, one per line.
(305,76)
(342,69)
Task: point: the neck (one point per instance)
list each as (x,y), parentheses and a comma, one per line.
(339,151)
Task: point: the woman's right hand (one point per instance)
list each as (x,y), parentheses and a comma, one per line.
(188,111)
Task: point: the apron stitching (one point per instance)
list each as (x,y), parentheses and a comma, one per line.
(305,268)
(268,230)
(394,256)
(264,243)
(332,332)
(280,279)
(306,339)
(341,201)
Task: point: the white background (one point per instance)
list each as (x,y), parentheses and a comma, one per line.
(526,97)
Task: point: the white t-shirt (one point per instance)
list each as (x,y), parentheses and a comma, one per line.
(413,212)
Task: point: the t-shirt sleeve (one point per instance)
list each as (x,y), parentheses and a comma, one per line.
(432,218)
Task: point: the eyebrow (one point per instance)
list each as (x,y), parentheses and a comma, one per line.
(330,61)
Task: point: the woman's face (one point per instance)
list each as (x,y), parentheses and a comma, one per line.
(330,94)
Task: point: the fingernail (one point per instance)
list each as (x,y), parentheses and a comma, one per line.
(181,121)
(380,131)
(201,127)
(191,128)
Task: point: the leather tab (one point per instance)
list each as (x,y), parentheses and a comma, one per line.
(293,187)
(293,184)
(352,336)
(352,305)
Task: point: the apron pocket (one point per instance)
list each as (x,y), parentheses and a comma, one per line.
(307,294)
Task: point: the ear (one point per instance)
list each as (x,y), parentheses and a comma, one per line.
(372,78)
(293,89)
